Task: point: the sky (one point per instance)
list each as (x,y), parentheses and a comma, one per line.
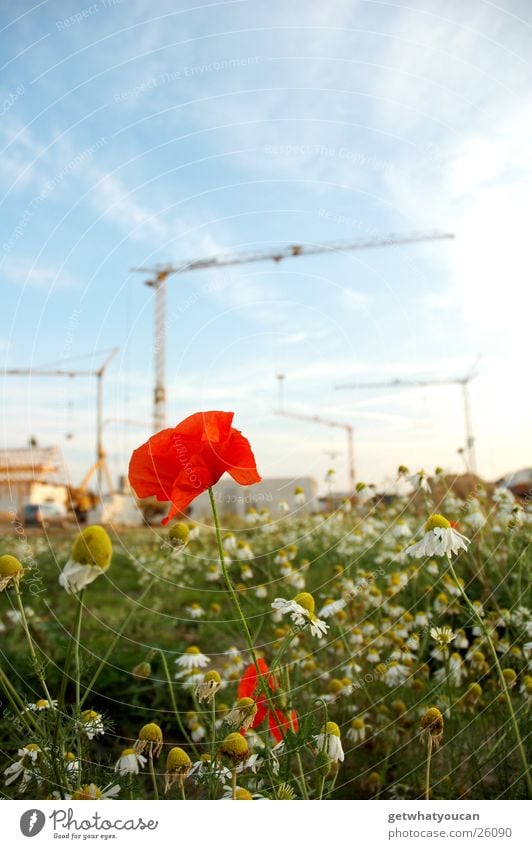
(135,133)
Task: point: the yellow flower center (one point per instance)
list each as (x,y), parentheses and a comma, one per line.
(193,649)
(432,721)
(235,747)
(92,547)
(178,760)
(89,715)
(9,566)
(436,521)
(86,793)
(212,675)
(179,534)
(243,795)
(151,732)
(331,728)
(307,601)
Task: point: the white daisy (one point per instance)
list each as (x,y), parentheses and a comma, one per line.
(91,724)
(357,731)
(25,767)
(77,576)
(130,762)
(328,740)
(93,792)
(401,529)
(299,496)
(396,674)
(419,481)
(331,607)
(443,636)
(301,611)
(229,542)
(42,704)
(195,610)
(440,540)
(192,658)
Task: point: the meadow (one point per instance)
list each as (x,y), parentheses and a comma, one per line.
(376,672)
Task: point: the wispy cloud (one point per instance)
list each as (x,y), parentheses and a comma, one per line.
(46,278)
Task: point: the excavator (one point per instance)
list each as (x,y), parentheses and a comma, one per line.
(80,498)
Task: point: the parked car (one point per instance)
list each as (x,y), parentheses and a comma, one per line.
(39,515)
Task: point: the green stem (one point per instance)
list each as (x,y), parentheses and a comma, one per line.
(77,675)
(29,638)
(282,648)
(174,705)
(213,745)
(153,776)
(77,637)
(233,783)
(502,680)
(427,771)
(17,705)
(449,698)
(333,784)
(234,598)
(302,780)
(72,645)
(115,640)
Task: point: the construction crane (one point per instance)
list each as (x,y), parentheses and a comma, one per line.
(308,417)
(100,464)
(160,273)
(464,382)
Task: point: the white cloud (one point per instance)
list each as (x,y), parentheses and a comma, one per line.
(46,278)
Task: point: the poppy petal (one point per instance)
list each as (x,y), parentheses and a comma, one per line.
(240,460)
(154,466)
(278,719)
(211,426)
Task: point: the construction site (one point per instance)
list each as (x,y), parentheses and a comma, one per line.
(32,475)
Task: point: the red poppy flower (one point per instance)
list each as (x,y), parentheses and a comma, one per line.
(179,463)
(249,687)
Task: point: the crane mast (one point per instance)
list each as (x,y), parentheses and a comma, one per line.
(162,271)
(100,465)
(464,382)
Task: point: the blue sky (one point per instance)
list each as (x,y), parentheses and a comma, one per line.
(134,133)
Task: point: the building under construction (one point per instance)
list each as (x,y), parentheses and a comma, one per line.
(32,475)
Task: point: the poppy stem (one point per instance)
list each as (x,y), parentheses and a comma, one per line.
(234,598)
